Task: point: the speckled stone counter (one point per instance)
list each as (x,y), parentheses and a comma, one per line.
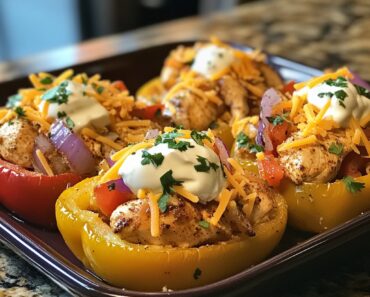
(320,33)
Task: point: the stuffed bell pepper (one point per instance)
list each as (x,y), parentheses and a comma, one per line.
(173,211)
(316,149)
(57,133)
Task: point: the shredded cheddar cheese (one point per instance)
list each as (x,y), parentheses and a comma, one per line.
(363,136)
(234,183)
(317,119)
(297,143)
(248,208)
(224,199)
(92,134)
(186,194)
(44,163)
(154,214)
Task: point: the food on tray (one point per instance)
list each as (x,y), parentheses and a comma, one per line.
(56,133)
(172,211)
(210,81)
(312,142)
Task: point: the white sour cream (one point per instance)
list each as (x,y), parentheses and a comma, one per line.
(206,185)
(83,110)
(212,59)
(340,111)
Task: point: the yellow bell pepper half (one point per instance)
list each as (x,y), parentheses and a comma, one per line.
(150,268)
(322,206)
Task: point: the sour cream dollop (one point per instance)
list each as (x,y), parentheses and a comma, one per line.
(345,101)
(212,59)
(82,109)
(206,185)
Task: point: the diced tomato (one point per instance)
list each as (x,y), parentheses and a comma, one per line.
(148,112)
(120,85)
(279,133)
(289,87)
(32,195)
(108,197)
(270,170)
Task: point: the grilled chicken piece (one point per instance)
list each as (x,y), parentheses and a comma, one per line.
(17,140)
(192,112)
(179,225)
(235,96)
(272,78)
(314,163)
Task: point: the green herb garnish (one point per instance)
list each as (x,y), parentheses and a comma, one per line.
(205,165)
(353,186)
(278,119)
(155,159)
(170,139)
(336,149)
(46,80)
(61,114)
(362,91)
(70,123)
(13,101)
(325,94)
(100,89)
(199,136)
(167,182)
(20,111)
(10,123)
(197,273)
(204,224)
(243,141)
(339,82)
(341,95)
(58,94)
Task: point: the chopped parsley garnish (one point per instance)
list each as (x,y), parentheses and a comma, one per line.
(13,100)
(353,186)
(100,89)
(204,224)
(339,82)
(61,114)
(199,136)
(278,119)
(112,186)
(155,159)
(10,123)
(170,139)
(362,91)
(205,165)
(340,95)
(70,123)
(325,94)
(243,141)
(167,182)
(336,149)
(20,111)
(163,201)
(46,80)
(58,94)
(197,273)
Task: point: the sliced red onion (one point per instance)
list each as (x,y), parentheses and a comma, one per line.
(223,153)
(43,144)
(120,186)
(110,162)
(359,81)
(73,148)
(269,99)
(151,134)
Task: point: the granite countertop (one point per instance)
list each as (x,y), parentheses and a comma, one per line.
(320,33)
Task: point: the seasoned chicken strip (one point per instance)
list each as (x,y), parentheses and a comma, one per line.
(179,225)
(314,163)
(17,140)
(235,96)
(191,111)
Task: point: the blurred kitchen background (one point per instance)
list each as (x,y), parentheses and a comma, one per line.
(32,26)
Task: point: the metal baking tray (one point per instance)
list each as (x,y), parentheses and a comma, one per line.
(45,249)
